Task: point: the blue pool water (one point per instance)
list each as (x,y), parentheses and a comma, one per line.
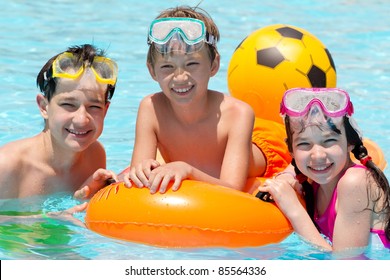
(355,31)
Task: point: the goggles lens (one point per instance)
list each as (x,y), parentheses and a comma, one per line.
(169,33)
(66,65)
(333,102)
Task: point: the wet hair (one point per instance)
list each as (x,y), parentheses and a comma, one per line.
(360,152)
(189,12)
(47,84)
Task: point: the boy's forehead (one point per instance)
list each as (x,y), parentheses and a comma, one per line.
(88,88)
(181,54)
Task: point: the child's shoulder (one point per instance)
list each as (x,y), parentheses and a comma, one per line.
(153,99)
(355,189)
(17,147)
(233,103)
(355,178)
(233,99)
(13,155)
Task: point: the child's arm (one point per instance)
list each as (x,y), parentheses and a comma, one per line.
(287,200)
(354,210)
(352,225)
(99,179)
(143,159)
(65,215)
(236,160)
(10,175)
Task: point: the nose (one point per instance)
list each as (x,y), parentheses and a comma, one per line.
(180,74)
(318,152)
(81,116)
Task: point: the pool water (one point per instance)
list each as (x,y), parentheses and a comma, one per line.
(356,33)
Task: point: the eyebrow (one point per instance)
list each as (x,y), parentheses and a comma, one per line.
(300,138)
(325,134)
(96,100)
(67,98)
(92,100)
(330,133)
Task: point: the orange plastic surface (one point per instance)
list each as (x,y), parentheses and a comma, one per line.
(197,215)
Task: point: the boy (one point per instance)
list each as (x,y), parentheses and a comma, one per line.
(77,86)
(201,134)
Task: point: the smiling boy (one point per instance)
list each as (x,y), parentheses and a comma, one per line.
(201,134)
(77,86)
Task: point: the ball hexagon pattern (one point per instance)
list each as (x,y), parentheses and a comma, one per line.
(276,58)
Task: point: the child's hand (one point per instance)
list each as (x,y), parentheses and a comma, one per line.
(67,215)
(290,178)
(282,192)
(161,176)
(139,174)
(98,180)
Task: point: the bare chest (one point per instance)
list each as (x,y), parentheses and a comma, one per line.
(36,179)
(202,146)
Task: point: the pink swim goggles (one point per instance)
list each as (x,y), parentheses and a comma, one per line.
(334,102)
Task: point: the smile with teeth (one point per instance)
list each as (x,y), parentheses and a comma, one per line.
(76,132)
(182,90)
(320,168)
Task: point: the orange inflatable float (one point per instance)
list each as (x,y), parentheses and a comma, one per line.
(375,153)
(197,215)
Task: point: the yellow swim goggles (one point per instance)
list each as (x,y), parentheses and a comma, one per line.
(67,65)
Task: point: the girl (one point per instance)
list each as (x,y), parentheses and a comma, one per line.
(346,202)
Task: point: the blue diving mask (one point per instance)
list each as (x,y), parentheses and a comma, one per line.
(179,34)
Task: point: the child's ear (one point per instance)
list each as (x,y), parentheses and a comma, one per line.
(151,71)
(42,105)
(215,65)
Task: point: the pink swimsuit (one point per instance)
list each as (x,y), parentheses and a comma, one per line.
(326,221)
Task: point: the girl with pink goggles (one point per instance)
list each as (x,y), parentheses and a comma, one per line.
(334,102)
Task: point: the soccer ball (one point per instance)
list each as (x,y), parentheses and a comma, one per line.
(274,59)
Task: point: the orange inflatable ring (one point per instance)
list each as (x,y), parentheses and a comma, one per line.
(375,152)
(197,215)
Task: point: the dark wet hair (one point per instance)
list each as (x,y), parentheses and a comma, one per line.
(360,152)
(47,84)
(189,12)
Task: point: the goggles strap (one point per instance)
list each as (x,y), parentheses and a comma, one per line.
(45,76)
(210,39)
(47,79)
(110,91)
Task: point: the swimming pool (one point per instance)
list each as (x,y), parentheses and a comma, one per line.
(355,32)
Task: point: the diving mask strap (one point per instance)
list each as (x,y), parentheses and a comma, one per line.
(355,126)
(210,39)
